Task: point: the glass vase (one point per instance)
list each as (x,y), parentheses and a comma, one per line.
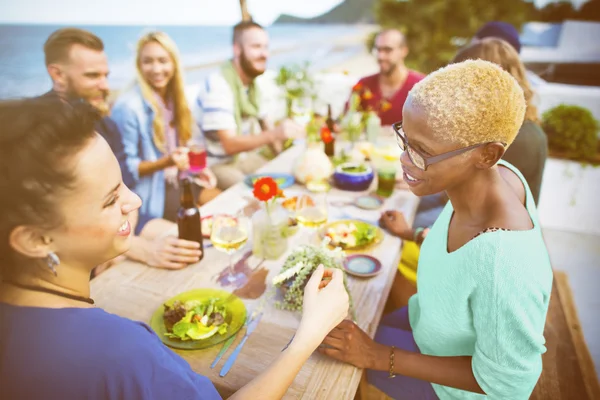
(269,230)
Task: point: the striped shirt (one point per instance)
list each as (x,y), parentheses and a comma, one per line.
(214,111)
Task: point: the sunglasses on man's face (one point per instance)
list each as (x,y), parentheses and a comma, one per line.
(420,160)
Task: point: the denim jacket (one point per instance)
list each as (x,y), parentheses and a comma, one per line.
(133,115)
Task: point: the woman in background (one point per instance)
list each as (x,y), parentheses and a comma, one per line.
(156,123)
(530,149)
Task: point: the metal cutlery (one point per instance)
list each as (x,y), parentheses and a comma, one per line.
(233,357)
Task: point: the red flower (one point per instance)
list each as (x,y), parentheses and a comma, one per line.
(357,87)
(265,189)
(326,135)
(367,95)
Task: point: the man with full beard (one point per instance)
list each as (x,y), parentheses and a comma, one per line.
(229,113)
(78,67)
(386,91)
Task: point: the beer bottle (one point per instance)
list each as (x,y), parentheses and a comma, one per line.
(188,216)
(330,146)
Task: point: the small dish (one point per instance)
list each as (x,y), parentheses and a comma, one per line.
(354,177)
(362,265)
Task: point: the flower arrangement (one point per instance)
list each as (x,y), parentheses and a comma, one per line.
(267,191)
(270,226)
(298,268)
(361,97)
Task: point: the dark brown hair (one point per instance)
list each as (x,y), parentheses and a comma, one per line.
(38,138)
(503,54)
(58,44)
(241,27)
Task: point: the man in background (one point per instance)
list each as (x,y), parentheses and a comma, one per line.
(78,67)
(386,91)
(229,113)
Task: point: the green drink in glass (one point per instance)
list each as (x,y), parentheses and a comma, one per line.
(386,180)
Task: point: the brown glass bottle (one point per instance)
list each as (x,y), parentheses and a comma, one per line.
(188,216)
(330,146)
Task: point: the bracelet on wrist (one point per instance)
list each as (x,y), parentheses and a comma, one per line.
(417,233)
(392,375)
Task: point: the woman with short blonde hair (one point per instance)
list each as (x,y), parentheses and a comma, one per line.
(476,324)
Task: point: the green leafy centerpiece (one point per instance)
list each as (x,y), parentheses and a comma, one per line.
(298,269)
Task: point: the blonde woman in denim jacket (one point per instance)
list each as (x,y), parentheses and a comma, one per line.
(156,124)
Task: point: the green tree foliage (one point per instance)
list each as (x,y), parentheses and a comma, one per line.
(571,129)
(435,28)
(557,12)
(590,11)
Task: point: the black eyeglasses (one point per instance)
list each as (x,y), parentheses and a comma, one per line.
(418,159)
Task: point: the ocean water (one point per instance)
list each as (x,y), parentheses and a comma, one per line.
(23,73)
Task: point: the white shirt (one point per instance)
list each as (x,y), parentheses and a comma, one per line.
(214,111)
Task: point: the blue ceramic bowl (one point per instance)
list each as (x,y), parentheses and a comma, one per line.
(347,179)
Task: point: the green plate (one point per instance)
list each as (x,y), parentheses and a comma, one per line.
(236,317)
(379,235)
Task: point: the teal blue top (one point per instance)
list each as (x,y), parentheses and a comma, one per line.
(488,300)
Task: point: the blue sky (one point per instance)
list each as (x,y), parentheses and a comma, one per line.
(154,12)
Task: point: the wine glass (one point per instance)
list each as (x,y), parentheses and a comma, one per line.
(311,210)
(229,234)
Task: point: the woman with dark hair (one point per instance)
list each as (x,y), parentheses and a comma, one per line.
(475,325)
(63,210)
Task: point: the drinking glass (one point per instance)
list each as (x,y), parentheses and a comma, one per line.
(229,234)
(311,210)
(197,155)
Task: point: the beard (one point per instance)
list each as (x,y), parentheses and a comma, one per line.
(90,95)
(387,69)
(248,68)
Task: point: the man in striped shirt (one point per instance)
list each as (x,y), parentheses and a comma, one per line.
(229,113)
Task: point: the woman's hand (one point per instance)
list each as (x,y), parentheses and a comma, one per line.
(395,223)
(348,343)
(172,253)
(180,158)
(325,304)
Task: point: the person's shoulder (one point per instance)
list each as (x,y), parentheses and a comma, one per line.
(414,76)
(533,131)
(130,99)
(369,80)
(215,83)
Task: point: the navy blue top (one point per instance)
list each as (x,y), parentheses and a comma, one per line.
(87,353)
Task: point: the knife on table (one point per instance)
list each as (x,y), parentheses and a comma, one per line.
(251,327)
(229,341)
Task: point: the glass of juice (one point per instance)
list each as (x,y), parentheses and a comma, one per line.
(197,155)
(386,180)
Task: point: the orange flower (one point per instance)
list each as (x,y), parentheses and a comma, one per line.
(357,87)
(265,189)
(385,105)
(326,135)
(367,95)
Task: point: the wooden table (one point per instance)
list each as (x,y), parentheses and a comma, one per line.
(135,291)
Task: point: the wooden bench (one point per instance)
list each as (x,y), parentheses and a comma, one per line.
(568,371)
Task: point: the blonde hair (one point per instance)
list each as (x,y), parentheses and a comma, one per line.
(471,102)
(502,53)
(175,90)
